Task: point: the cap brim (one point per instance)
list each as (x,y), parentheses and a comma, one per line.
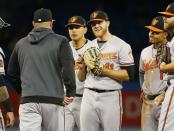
(74,24)
(154,28)
(94,20)
(166,13)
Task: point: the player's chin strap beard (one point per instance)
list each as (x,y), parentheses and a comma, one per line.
(158,45)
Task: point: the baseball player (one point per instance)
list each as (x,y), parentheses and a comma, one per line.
(77,29)
(167,113)
(151,79)
(42,62)
(4,96)
(102,100)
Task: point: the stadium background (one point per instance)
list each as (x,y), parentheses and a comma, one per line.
(128,18)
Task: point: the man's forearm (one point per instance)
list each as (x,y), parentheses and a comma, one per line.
(81,74)
(167,67)
(119,75)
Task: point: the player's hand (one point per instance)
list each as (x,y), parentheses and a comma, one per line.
(159,99)
(68,100)
(10,119)
(162,66)
(80,63)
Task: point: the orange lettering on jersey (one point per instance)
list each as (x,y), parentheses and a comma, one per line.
(108,66)
(151,64)
(108,55)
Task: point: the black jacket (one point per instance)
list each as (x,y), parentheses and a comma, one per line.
(43,63)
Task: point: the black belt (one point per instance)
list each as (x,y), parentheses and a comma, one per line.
(151,97)
(78,95)
(100,91)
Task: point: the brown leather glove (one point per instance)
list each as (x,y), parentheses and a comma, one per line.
(163,55)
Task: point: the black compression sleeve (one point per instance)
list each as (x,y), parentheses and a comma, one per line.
(130,71)
(7,105)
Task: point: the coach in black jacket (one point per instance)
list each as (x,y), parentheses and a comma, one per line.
(42,63)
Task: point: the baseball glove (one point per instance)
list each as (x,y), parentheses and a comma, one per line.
(163,55)
(92,61)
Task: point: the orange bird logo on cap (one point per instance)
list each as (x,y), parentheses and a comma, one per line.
(154,22)
(73,19)
(94,15)
(168,7)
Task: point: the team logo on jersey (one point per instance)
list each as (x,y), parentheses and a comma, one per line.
(150,64)
(130,54)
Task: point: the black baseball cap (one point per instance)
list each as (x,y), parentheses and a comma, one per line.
(3,24)
(157,24)
(98,16)
(42,15)
(76,20)
(169,10)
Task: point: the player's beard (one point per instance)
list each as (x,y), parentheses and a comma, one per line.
(151,41)
(156,45)
(99,32)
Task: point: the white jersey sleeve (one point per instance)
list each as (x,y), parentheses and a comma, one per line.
(125,55)
(141,65)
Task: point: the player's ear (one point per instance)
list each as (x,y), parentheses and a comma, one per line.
(33,23)
(108,23)
(51,24)
(85,30)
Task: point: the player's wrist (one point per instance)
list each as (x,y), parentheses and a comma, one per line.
(163,67)
(104,72)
